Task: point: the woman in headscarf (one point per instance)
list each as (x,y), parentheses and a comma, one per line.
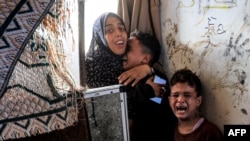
(104,57)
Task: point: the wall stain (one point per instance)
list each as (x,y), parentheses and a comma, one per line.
(235,49)
(182,52)
(237,88)
(174,48)
(244,111)
(241,75)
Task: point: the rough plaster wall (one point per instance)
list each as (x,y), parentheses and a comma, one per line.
(211,37)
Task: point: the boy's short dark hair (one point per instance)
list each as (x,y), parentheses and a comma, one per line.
(187,76)
(149,44)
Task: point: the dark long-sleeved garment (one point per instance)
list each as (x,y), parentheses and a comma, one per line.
(151,121)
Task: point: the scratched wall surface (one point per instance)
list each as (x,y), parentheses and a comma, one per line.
(211,37)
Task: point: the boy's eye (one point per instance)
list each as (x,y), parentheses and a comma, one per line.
(187,96)
(128,48)
(174,95)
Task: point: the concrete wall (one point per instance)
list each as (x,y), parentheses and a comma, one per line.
(211,37)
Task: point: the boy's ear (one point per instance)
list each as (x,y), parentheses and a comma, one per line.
(146,59)
(199,100)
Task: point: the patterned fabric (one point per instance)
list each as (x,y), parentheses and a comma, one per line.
(37,92)
(18,20)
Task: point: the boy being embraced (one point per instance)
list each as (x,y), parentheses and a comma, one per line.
(149,120)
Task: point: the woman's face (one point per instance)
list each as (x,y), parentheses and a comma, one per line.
(116,35)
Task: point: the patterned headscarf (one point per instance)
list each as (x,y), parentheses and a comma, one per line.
(102,65)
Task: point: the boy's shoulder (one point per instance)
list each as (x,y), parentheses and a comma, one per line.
(211,128)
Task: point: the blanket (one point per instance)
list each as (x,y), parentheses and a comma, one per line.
(36,91)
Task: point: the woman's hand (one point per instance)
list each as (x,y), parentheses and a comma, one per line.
(134,75)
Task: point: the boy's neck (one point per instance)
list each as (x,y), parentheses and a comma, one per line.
(187,126)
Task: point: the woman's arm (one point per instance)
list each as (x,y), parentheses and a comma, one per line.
(135,74)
